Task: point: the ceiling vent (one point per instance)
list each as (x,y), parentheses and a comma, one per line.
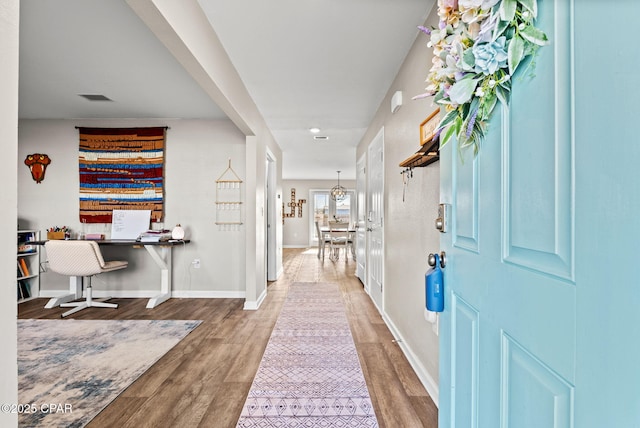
(95,97)
(320,137)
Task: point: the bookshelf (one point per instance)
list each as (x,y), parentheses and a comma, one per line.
(28,265)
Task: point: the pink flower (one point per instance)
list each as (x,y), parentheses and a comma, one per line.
(448,12)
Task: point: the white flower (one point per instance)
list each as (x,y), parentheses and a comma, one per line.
(469,65)
(437,36)
(470,4)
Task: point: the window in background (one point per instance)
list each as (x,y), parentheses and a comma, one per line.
(326,209)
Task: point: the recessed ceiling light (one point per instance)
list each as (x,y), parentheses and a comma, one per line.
(95,97)
(314,130)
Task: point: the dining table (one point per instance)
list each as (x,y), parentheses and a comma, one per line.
(325,230)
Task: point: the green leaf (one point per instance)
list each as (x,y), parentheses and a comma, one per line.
(468,60)
(448,118)
(488,106)
(508,10)
(499,29)
(439,96)
(457,125)
(474,105)
(515,53)
(462,90)
(454,129)
(503,95)
(531,5)
(534,35)
(446,136)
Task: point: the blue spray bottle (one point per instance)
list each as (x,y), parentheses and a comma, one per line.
(434,287)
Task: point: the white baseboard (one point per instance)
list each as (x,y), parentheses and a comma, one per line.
(425,378)
(295,246)
(254,305)
(147,294)
(194,294)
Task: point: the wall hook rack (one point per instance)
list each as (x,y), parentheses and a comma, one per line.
(229,200)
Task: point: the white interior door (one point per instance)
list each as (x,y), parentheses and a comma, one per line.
(272,216)
(361,220)
(375,221)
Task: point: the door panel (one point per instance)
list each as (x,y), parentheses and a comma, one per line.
(375,222)
(508,331)
(533,395)
(466,205)
(465,363)
(538,227)
(361,220)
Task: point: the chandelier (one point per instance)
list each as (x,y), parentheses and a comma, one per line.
(338,192)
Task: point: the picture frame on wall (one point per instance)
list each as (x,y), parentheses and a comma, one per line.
(428,127)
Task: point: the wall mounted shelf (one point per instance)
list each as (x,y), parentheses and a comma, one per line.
(429,151)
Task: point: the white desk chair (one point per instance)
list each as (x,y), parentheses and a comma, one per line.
(323,240)
(339,238)
(82,259)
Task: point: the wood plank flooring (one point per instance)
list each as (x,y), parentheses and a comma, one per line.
(204,380)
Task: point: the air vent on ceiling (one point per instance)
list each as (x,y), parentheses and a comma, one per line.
(320,137)
(95,97)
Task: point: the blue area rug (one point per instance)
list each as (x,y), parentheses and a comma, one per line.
(69,370)
(310,375)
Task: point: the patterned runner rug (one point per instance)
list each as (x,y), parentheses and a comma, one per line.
(310,375)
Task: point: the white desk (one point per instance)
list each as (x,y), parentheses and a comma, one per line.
(160,252)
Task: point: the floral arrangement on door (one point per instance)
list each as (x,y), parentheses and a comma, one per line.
(477,48)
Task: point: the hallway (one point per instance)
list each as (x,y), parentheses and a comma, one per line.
(398,397)
(204,380)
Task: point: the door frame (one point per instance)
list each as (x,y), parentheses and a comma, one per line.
(377,296)
(361,220)
(271,218)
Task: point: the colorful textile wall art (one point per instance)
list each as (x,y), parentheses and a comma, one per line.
(121,168)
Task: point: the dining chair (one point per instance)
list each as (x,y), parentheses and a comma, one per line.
(339,238)
(80,259)
(323,240)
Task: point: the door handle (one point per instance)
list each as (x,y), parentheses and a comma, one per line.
(443,259)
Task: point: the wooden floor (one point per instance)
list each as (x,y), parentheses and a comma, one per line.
(204,380)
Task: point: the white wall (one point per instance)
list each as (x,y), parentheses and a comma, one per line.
(409,233)
(9,22)
(296,229)
(185,30)
(196,154)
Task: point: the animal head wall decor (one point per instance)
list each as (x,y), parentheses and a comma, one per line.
(37,164)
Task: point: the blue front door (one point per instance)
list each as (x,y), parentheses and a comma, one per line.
(542,278)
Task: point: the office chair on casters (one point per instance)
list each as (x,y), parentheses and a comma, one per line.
(82,259)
